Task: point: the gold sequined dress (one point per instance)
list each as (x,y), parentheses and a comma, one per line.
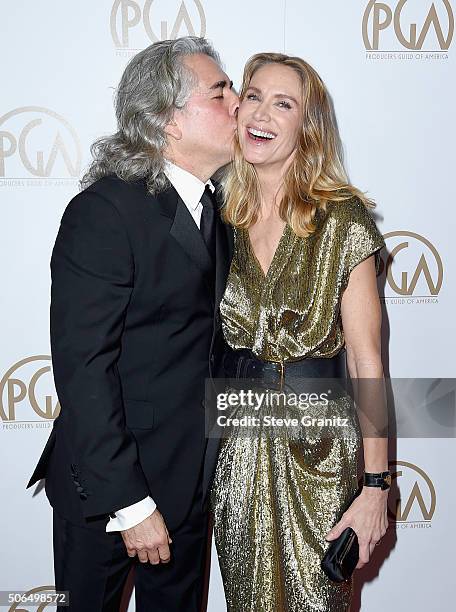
(275,498)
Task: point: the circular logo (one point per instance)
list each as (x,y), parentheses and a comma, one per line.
(37,142)
(414,500)
(27,391)
(408,25)
(413,266)
(136,24)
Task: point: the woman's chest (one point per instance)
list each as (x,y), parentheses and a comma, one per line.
(303,274)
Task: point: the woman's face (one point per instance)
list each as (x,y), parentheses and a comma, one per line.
(270,117)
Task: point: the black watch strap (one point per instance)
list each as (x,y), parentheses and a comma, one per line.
(377,479)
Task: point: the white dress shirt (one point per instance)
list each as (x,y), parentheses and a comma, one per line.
(190,188)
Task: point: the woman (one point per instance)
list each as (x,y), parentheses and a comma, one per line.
(301,293)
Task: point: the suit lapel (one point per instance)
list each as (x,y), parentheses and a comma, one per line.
(184,229)
(166,202)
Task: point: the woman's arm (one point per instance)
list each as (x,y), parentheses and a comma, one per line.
(361,321)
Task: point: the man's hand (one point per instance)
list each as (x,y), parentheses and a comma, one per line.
(149,540)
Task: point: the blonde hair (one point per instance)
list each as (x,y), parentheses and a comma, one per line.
(316,175)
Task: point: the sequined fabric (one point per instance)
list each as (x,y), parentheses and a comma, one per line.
(275,498)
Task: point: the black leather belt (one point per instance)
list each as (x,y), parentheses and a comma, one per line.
(243,364)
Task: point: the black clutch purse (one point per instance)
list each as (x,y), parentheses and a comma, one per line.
(342,555)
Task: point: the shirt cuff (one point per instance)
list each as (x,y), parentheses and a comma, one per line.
(131,515)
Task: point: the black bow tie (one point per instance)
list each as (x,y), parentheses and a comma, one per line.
(207,225)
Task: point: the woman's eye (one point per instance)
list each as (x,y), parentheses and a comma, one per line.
(284,104)
(252,96)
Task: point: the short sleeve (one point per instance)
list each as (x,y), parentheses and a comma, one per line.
(360,235)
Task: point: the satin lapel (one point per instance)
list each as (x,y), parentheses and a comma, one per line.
(184,229)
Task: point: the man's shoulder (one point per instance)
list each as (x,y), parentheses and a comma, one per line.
(113,192)
(116,190)
(106,198)
(111,196)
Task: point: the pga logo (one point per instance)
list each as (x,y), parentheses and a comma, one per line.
(408,24)
(413,266)
(27,391)
(38,142)
(135,24)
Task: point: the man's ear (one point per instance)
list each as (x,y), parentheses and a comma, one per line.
(172,129)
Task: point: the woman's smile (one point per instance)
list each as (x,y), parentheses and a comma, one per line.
(260,136)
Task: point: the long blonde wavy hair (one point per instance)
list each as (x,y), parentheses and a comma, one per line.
(316,175)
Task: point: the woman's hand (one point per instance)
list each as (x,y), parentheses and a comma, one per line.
(367,516)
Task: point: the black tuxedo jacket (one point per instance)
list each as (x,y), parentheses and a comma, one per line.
(135,331)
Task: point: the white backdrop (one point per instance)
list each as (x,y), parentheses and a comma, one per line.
(390,69)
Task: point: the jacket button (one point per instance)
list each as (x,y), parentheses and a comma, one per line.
(79,489)
(83,496)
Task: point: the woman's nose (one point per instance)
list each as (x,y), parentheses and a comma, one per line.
(261,112)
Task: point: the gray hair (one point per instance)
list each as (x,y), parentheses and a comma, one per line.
(154,83)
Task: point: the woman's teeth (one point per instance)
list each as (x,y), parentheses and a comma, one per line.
(260,135)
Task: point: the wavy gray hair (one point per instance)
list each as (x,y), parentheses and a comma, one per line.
(154,83)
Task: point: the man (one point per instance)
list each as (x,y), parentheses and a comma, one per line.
(138,270)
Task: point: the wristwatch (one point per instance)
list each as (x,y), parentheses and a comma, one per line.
(378,479)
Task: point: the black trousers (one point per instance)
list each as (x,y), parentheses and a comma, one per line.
(93,566)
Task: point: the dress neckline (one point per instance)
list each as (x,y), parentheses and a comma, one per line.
(275,257)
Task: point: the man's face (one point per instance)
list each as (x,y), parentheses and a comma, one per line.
(208,122)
